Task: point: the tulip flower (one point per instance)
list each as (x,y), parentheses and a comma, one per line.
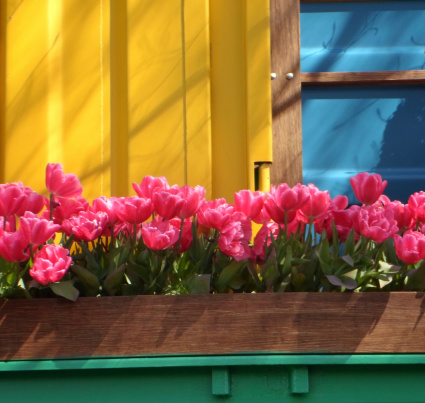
(37,230)
(235,237)
(50,264)
(108,206)
(410,247)
(215,214)
(14,246)
(377,224)
(168,203)
(60,184)
(284,201)
(8,224)
(336,214)
(149,185)
(134,209)
(367,187)
(87,225)
(159,235)
(316,206)
(193,198)
(65,208)
(12,199)
(266,232)
(402,214)
(250,203)
(186,236)
(416,205)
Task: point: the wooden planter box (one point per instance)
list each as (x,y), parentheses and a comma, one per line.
(315,323)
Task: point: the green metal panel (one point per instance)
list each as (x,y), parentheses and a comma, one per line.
(245,378)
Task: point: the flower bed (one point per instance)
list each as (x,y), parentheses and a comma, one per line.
(170,240)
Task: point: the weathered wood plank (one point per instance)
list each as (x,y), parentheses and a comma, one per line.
(213,324)
(286,93)
(366,78)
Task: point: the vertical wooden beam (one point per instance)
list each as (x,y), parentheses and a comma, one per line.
(286,93)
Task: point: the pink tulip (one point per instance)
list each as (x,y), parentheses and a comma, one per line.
(336,213)
(266,232)
(289,199)
(87,225)
(249,203)
(416,205)
(149,185)
(186,237)
(108,206)
(263,217)
(402,214)
(316,206)
(65,208)
(134,209)
(60,184)
(34,202)
(14,246)
(16,198)
(50,264)
(410,247)
(367,187)
(215,214)
(168,203)
(159,235)
(8,224)
(285,199)
(12,199)
(235,237)
(193,198)
(377,224)
(37,230)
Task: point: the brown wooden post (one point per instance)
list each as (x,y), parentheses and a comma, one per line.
(286,92)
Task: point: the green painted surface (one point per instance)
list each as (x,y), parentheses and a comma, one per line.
(245,378)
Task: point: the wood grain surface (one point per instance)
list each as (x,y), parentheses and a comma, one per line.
(286,94)
(366,78)
(213,324)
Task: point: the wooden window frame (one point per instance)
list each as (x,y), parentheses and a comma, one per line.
(286,87)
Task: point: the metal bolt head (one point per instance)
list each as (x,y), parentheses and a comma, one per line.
(273,76)
(290,76)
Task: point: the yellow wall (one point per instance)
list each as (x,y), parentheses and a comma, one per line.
(119,89)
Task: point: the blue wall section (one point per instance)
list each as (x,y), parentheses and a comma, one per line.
(365,36)
(373,128)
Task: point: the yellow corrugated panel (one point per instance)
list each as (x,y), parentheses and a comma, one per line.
(169,103)
(55,107)
(119,89)
(241,93)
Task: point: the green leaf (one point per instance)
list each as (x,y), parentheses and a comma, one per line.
(342,281)
(65,289)
(113,281)
(335,243)
(287,263)
(270,272)
(198,284)
(348,259)
(388,267)
(324,255)
(416,279)
(86,276)
(227,274)
(349,244)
